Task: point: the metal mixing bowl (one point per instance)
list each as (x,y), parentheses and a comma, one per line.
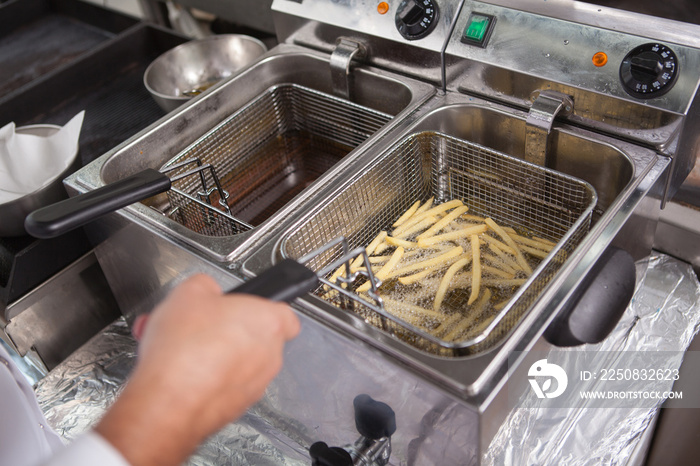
(191,68)
(14,212)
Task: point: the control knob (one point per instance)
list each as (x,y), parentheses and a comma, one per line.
(648,71)
(416,19)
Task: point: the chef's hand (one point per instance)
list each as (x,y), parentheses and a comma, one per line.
(204,358)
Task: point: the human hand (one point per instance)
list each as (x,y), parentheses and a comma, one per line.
(204,358)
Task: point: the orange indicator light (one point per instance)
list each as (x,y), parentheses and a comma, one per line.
(382,8)
(600,59)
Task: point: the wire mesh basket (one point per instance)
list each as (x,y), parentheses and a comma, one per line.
(526,197)
(265,154)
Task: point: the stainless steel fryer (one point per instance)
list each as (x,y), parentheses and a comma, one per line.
(492,184)
(529,90)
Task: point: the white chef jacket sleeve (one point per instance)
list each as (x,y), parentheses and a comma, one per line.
(87,450)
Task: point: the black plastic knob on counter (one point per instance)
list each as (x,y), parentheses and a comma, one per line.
(323,455)
(645,68)
(411,15)
(650,70)
(416,19)
(373,419)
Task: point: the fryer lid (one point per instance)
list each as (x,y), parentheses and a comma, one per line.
(514,193)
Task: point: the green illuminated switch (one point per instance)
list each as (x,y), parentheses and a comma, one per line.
(478,29)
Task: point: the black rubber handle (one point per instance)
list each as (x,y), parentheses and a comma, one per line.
(323,455)
(373,419)
(64,216)
(283,282)
(596,308)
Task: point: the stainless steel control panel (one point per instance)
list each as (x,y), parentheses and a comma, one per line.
(655,72)
(421,23)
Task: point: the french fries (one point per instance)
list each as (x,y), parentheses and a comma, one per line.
(400,242)
(385,270)
(428,204)
(432,262)
(443,222)
(424,313)
(406,215)
(453,235)
(442,253)
(409,279)
(509,241)
(537,244)
(418,217)
(420,226)
(440,295)
(534,251)
(496,271)
(476,269)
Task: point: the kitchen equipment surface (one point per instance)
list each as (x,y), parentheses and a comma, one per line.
(193,67)
(523,82)
(39,37)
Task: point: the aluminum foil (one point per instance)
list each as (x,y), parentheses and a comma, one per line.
(663,316)
(75,394)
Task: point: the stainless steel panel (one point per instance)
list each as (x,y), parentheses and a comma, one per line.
(319,24)
(57,317)
(534,48)
(539,46)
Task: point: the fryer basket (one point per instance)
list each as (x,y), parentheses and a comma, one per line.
(542,202)
(265,154)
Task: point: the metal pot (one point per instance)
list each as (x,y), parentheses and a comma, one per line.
(191,68)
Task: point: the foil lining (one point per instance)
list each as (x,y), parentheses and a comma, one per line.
(664,315)
(76,393)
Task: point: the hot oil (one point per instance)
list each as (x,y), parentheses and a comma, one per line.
(270,176)
(420,296)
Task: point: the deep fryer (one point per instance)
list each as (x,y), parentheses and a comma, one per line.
(527,88)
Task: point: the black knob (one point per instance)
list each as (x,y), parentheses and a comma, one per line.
(323,455)
(649,70)
(373,419)
(411,15)
(646,67)
(416,19)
